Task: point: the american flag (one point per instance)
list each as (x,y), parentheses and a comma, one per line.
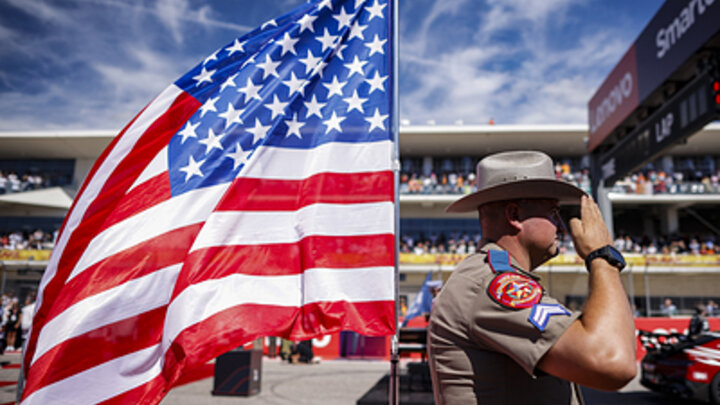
(253,197)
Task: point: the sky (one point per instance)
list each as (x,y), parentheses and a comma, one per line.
(94,64)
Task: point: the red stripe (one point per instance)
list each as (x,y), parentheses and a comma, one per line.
(287,259)
(196,374)
(7,383)
(124,174)
(148,194)
(151,392)
(192,348)
(140,260)
(249,194)
(93,348)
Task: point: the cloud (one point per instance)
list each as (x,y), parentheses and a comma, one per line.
(519,65)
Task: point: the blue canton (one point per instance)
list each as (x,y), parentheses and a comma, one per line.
(318,74)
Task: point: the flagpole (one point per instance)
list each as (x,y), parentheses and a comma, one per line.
(394,385)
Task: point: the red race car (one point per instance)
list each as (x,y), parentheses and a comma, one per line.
(682,366)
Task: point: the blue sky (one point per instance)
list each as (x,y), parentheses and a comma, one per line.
(94,64)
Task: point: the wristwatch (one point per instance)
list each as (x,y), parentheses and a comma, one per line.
(609,254)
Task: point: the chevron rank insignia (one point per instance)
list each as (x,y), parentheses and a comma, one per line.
(541,313)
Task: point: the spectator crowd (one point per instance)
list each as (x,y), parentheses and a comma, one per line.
(37,240)
(11,182)
(683,176)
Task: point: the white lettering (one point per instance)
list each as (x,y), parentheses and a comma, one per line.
(608,169)
(620,92)
(663,128)
(666,37)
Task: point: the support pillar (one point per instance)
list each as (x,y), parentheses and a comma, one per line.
(669,220)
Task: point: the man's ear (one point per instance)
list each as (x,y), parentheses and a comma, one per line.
(512,215)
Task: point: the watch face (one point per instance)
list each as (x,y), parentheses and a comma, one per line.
(617,256)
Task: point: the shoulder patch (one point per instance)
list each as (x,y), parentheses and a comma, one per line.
(541,313)
(515,290)
(499,261)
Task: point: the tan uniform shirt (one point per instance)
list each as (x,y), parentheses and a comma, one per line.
(483,350)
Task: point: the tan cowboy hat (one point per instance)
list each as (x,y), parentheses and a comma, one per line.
(516,175)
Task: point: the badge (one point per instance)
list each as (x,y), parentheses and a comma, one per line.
(541,313)
(515,290)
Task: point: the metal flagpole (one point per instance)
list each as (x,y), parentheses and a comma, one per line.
(394,383)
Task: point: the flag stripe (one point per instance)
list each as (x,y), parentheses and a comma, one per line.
(129,299)
(109,379)
(140,198)
(291,226)
(289,195)
(355,285)
(150,223)
(169,249)
(105,343)
(272,162)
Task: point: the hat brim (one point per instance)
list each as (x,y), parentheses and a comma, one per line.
(562,191)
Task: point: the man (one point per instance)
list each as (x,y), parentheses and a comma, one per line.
(698,323)
(494,336)
(668,308)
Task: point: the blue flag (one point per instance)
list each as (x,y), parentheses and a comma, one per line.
(423,301)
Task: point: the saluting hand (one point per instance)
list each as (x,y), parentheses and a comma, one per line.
(589,232)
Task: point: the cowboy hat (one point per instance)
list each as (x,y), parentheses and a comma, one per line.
(516,175)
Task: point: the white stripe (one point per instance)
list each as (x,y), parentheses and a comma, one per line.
(354,285)
(126,300)
(155,109)
(186,209)
(266,227)
(157,166)
(269,162)
(102,382)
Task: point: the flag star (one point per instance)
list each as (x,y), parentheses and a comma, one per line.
(319,69)
(250,90)
(269,67)
(376,82)
(333,123)
(376,10)
(327,40)
(376,46)
(310,61)
(212,141)
(335,87)
(288,44)
(239,156)
(355,102)
(231,115)
(203,76)
(313,107)
(276,107)
(259,131)
(377,120)
(356,66)
(208,106)
(339,51)
(294,127)
(358,3)
(211,57)
(357,31)
(192,169)
(295,85)
(343,19)
(271,23)
(325,3)
(189,131)
(237,46)
(306,23)
(230,82)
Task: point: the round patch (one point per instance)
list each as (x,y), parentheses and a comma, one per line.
(515,290)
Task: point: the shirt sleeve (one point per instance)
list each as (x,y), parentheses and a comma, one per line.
(524,334)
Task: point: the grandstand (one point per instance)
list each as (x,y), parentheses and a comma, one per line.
(667,208)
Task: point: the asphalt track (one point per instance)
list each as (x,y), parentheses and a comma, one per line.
(333,382)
